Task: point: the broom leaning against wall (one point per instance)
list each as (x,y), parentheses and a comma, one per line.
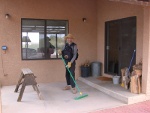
(126,73)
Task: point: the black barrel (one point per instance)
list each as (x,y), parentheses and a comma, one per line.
(85,71)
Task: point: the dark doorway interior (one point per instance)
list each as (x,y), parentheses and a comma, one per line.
(120,42)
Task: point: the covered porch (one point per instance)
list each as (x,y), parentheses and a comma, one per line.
(90,37)
(101,95)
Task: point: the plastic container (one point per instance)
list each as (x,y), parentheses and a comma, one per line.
(85,71)
(116,79)
(96,69)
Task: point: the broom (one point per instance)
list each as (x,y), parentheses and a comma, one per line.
(128,70)
(81,94)
(127,73)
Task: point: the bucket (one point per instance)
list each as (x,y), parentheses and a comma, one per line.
(116,79)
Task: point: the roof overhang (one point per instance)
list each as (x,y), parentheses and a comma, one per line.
(136,2)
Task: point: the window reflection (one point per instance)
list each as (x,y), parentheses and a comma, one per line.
(42,38)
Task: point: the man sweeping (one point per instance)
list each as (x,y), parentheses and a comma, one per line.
(70,53)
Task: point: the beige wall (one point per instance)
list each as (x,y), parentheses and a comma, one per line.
(146,52)
(116,10)
(45,70)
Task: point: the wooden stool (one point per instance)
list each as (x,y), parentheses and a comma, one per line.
(27,78)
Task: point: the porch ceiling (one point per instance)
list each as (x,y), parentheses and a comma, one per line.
(136,2)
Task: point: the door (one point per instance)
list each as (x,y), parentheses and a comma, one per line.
(120,42)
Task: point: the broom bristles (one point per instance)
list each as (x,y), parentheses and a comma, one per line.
(80,97)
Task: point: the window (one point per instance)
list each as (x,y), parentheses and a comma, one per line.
(42,38)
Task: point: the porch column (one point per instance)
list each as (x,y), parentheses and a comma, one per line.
(146,52)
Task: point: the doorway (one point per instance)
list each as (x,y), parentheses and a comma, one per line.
(120,43)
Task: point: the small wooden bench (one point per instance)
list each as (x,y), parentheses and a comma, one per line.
(27,78)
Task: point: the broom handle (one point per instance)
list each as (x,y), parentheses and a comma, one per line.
(132,59)
(71,75)
(131,62)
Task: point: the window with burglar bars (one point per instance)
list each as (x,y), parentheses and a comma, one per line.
(42,38)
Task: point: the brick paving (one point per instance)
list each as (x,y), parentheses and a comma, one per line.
(143,107)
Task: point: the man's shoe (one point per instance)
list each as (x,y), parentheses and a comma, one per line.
(67,88)
(74,91)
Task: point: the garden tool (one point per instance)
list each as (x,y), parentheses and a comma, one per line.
(81,94)
(127,72)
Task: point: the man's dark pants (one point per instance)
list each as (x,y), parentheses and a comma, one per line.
(69,79)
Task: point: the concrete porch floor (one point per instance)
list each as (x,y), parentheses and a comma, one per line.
(102,95)
(114,90)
